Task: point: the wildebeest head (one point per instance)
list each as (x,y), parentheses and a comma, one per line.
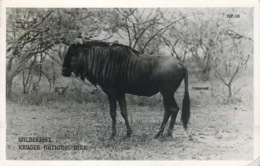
(76,57)
(72,61)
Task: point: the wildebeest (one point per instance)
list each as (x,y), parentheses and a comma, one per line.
(119,69)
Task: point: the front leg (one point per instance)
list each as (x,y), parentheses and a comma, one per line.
(112,103)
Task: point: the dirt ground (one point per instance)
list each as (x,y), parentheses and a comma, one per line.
(216,131)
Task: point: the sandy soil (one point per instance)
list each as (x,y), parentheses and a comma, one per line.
(216,132)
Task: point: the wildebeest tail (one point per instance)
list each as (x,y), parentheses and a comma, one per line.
(185,116)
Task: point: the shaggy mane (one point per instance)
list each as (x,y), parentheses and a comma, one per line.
(94,43)
(112,46)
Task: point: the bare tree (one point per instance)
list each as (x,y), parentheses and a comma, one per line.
(26,38)
(34,33)
(235,58)
(142,27)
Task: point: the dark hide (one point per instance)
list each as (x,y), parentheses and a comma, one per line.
(119,69)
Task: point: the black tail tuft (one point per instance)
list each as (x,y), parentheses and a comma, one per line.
(185,116)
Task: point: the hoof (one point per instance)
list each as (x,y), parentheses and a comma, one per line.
(129,133)
(157,136)
(112,136)
(169,135)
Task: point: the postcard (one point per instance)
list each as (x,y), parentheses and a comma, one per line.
(130,82)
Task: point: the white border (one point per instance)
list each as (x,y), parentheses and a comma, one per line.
(257,82)
(129,3)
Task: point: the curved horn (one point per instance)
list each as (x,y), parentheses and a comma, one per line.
(78,41)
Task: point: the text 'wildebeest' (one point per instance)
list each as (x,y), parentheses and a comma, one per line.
(119,69)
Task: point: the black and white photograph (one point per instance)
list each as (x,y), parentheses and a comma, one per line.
(130,83)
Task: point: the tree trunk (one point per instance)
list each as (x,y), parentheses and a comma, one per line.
(206,72)
(53,76)
(9,83)
(229,91)
(9,76)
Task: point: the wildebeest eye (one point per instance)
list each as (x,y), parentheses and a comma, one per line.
(75,57)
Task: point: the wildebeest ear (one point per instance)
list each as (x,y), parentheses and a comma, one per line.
(78,41)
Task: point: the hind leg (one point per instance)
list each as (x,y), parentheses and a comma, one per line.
(174,113)
(122,104)
(168,105)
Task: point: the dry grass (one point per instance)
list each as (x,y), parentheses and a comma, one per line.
(218,130)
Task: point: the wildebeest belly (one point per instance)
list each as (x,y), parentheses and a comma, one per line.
(141,88)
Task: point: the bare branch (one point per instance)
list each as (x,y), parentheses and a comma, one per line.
(239,89)
(33,27)
(30,54)
(142,33)
(222,78)
(52,57)
(128,33)
(239,66)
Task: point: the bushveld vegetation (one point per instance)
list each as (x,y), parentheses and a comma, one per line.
(217,50)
